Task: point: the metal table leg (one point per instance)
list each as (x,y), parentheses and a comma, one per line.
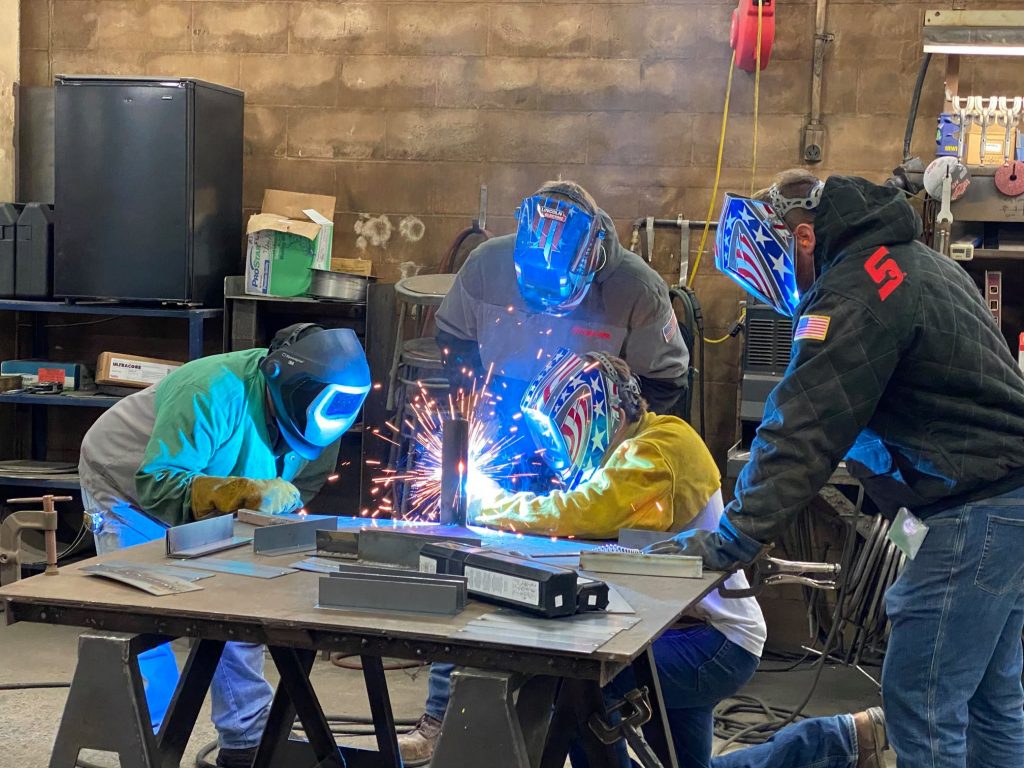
(380,710)
(294,666)
(657,730)
(183,711)
(577,700)
(195,335)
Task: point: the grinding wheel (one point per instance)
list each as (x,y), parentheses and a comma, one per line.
(1009,179)
(959,176)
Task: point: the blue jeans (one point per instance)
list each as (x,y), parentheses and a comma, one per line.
(822,742)
(698,667)
(241,696)
(439,690)
(951,683)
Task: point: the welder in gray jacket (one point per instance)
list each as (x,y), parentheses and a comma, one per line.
(562,280)
(898,366)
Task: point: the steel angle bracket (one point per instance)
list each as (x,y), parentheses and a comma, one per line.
(401,546)
(287,539)
(203,537)
(336,544)
(425,594)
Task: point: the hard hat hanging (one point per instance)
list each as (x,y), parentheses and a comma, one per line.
(744,34)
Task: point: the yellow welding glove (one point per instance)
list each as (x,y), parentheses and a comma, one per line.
(212,496)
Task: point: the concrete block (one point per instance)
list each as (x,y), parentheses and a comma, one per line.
(661,32)
(615,189)
(539,30)
(584,84)
(508,183)
(98,62)
(438,28)
(265,132)
(388,81)
(489,82)
(644,138)
(839,88)
(794,33)
(220,68)
(339,28)
(35,68)
(864,139)
(785,89)
(252,27)
(684,86)
(122,25)
(35,24)
(438,234)
(409,187)
(535,137)
(883,29)
(294,174)
(336,133)
(779,141)
(290,79)
(449,134)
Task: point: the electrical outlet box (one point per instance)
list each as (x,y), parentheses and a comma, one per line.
(814,143)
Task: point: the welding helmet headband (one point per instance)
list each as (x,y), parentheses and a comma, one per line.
(756,248)
(573,410)
(317,385)
(559,248)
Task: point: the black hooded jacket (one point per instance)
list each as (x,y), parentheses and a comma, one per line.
(897,365)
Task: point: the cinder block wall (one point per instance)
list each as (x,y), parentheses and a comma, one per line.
(405,108)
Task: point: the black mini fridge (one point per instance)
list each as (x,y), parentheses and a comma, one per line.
(147,188)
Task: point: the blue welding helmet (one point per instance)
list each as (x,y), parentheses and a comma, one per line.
(755,248)
(573,410)
(559,248)
(317,385)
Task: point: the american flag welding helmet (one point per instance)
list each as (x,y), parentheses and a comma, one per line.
(559,248)
(756,249)
(574,408)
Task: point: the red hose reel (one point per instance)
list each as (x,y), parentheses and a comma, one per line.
(743,35)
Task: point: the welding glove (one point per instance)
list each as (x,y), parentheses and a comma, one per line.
(725,549)
(212,496)
(482,493)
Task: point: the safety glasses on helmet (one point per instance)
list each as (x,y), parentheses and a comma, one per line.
(573,409)
(558,250)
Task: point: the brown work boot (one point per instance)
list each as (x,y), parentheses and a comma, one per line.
(871,738)
(417,746)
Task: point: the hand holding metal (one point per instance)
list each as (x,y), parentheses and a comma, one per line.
(44,520)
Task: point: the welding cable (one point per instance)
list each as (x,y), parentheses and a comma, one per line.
(718,175)
(339,660)
(733,731)
(31,686)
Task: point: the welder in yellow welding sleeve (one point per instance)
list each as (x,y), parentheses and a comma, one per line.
(620,466)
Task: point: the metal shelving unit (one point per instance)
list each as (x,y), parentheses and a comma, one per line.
(194,317)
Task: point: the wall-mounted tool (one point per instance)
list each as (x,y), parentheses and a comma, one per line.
(14,525)
(744,35)
(1009,178)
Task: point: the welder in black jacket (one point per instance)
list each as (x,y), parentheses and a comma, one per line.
(898,366)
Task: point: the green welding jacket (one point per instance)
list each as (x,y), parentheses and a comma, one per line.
(208,417)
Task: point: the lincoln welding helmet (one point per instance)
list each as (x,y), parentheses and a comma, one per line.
(317,384)
(756,249)
(559,248)
(574,408)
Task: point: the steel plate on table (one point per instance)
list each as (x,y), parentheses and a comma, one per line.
(582,633)
(155,581)
(236,567)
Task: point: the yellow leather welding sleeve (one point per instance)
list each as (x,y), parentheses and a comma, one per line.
(212,496)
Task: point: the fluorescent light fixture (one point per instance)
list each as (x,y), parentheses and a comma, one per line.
(974,50)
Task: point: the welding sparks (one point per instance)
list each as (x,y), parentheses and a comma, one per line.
(488,453)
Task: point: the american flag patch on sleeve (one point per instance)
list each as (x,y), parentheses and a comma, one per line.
(812,327)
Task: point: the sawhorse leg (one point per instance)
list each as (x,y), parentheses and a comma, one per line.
(577,700)
(106,707)
(483,725)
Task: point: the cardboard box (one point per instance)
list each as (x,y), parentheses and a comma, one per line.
(995,145)
(70,375)
(123,370)
(291,235)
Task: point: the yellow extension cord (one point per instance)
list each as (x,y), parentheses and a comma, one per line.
(718,162)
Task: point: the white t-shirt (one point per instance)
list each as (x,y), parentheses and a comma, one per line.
(740,619)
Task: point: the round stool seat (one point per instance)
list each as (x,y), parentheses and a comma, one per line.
(426,290)
(423,353)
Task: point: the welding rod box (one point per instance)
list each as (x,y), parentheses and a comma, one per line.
(121,370)
(291,235)
(69,375)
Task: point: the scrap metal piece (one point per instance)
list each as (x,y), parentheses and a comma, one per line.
(173,570)
(287,539)
(203,537)
(401,546)
(235,567)
(454,468)
(316,565)
(260,519)
(141,577)
(419,593)
(642,564)
(637,538)
(582,633)
(337,544)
